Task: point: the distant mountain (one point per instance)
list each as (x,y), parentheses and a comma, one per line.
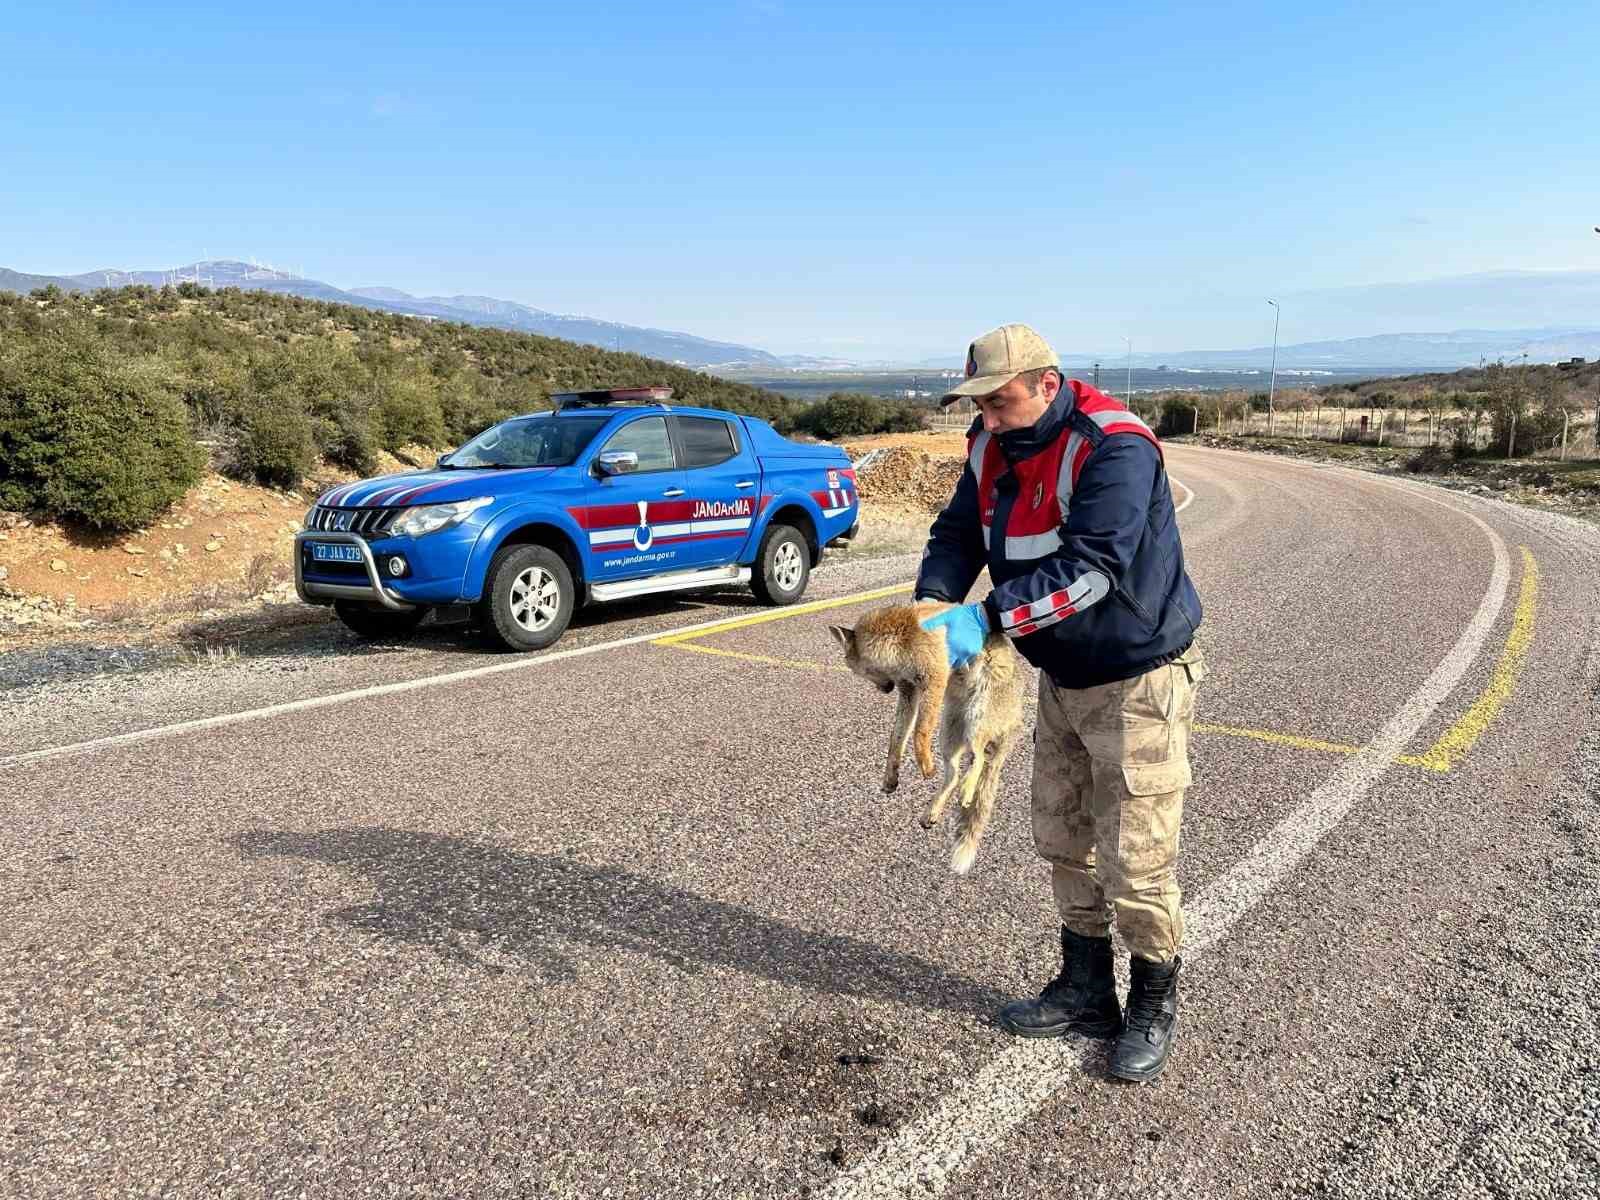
(16,281)
(1544,313)
(1447,351)
(1412,351)
(380,293)
(665,344)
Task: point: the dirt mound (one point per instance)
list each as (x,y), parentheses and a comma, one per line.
(222,542)
(898,474)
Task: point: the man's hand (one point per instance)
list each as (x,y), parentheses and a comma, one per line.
(965,628)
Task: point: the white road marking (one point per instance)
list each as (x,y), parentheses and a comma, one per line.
(1188,498)
(921,1158)
(388,689)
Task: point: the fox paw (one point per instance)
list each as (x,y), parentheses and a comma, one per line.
(890,782)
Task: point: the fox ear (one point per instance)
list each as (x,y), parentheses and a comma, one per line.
(845,637)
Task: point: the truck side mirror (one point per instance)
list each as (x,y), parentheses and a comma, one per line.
(441,461)
(617,462)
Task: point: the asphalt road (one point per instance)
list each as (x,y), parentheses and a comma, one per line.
(632,919)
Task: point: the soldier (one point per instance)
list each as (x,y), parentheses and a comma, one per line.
(1065,499)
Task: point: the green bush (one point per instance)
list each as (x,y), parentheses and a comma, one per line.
(344,435)
(1177,416)
(86,437)
(468,406)
(851,414)
(1430,460)
(406,410)
(275,445)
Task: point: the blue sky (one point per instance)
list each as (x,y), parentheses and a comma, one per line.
(839,178)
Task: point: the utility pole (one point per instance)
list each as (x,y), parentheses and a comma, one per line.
(1272,382)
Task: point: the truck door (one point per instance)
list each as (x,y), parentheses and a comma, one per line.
(637,521)
(723,480)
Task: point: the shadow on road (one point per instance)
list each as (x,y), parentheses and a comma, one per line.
(300,631)
(454,896)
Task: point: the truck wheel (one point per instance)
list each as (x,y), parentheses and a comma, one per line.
(782,567)
(528,597)
(377,623)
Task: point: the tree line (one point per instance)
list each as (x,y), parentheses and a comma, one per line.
(113,402)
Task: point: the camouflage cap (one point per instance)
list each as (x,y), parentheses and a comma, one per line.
(998,357)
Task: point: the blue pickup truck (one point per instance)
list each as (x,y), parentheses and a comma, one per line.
(612,494)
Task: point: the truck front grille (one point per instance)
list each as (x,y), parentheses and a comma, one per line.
(365,522)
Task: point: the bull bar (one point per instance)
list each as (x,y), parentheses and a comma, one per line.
(326,593)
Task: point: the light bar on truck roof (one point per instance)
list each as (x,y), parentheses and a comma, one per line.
(635,395)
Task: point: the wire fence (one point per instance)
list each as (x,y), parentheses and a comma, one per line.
(957,414)
(1399,427)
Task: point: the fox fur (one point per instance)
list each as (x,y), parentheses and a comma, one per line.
(978,708)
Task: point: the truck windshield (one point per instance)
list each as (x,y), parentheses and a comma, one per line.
(544,440)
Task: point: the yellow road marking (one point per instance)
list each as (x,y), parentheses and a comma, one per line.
(1441,757)
(688,644)
(1278,739)
(1464,734)
(781,614)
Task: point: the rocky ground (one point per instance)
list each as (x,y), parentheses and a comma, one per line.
(217,563)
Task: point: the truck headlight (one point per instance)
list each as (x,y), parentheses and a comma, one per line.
(430,518)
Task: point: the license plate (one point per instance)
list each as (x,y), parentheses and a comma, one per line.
(335,552)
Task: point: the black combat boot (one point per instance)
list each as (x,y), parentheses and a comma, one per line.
(1152,1024)
(1082,999)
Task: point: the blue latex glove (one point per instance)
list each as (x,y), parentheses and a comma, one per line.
(965,628)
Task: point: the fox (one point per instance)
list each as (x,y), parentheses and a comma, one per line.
(978,708)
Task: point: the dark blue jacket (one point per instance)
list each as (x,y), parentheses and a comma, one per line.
(1074,519)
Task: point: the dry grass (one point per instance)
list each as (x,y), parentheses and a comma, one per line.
(888,529)
(265,569)
(208,656)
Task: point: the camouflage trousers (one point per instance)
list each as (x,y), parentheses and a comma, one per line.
(1110,765)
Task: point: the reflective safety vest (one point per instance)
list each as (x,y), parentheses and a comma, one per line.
(1074,519)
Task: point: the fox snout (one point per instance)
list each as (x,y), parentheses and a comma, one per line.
(886,687)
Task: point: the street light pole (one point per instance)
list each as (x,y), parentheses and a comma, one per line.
(1597,401)
(1127,395)
(1272,383)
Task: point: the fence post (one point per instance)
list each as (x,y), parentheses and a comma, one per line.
(1381,416)
(1341,426)
(1196,408)
(1566,419)
(1430,427)
(1511,439)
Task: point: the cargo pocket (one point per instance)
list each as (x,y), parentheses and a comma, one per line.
(1148,825)
(1157,779)
(1193,662)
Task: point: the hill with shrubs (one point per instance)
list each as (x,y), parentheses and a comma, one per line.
(114,402)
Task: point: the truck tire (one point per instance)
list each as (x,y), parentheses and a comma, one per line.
(376,624)
(528,597)
(782,567)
